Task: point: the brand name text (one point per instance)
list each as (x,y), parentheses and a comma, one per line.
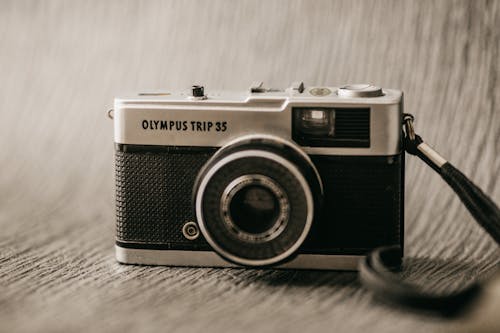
(185,125)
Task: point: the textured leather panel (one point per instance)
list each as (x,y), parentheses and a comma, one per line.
(362,203)
(153,196)
(361,210)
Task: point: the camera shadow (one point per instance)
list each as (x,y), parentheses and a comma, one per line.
(439,276)
(307,278)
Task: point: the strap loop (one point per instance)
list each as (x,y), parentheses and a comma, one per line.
(377,270)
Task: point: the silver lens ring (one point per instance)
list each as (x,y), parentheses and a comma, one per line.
(304,187)
(273,138)
(280,221)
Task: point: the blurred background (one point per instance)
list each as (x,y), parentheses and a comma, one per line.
(62,63)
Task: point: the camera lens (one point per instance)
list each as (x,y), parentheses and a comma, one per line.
(255,200)
(255,207)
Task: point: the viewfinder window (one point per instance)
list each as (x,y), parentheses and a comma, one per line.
(331,127)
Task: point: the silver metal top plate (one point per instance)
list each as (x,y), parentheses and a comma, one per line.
(169,118)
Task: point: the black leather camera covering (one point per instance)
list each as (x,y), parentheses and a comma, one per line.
(363,200)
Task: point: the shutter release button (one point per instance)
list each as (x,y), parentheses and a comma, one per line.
(360,90)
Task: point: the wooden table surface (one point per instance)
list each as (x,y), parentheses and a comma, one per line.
(61,64)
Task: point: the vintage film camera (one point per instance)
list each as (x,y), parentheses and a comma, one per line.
(306,177)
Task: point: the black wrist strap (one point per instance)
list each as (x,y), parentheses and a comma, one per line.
(378,269)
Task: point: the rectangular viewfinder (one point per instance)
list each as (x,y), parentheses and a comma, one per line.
(331,127)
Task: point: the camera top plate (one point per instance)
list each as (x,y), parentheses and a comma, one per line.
(267,99)
(206,118)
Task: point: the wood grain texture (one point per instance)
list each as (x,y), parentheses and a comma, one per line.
(62,62)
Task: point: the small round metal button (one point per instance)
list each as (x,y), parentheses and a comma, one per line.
(360,90)
(190,230)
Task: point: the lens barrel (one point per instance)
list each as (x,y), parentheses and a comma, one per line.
(255,200)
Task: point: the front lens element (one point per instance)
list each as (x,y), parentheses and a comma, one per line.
(254,208)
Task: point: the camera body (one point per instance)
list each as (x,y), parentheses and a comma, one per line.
(305,177)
